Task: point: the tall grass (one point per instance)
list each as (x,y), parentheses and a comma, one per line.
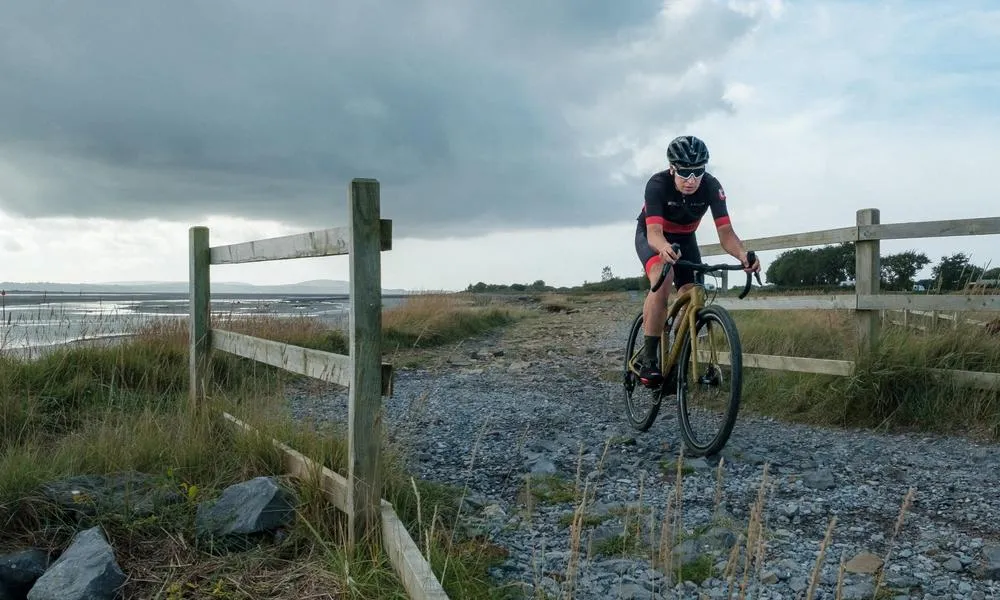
(893,386)
(435,319)
(114,407)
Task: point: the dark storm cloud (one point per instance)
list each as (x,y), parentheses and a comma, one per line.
(479,115)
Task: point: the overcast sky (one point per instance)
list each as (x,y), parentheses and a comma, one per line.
(512,139)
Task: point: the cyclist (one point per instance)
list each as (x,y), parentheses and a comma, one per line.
(676,200)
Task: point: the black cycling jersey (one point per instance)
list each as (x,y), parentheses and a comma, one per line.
(679,214)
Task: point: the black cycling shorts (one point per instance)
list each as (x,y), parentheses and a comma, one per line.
(651,259)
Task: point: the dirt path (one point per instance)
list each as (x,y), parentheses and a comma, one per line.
(515,415)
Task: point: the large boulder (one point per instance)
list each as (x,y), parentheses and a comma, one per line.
(87,570)
(129,493)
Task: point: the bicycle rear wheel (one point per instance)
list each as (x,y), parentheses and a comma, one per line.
(641,403)
(715,389)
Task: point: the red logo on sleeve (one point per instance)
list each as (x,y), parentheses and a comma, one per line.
(722,194)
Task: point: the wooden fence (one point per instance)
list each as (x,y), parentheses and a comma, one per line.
(866,302)
(362,371)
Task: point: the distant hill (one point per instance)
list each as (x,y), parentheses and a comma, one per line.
(316,286)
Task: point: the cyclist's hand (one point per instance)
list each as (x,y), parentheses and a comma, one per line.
(754,268)
(668,255)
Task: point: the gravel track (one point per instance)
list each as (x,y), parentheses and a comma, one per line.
(532,400)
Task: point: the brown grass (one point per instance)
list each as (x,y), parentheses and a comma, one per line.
(436,319)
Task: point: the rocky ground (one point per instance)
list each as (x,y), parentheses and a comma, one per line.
(520,416)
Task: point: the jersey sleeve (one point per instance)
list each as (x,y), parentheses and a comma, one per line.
(654,202)
(718,206)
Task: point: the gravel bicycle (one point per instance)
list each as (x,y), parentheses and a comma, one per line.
(679,353)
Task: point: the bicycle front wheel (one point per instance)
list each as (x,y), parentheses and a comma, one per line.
(710,383)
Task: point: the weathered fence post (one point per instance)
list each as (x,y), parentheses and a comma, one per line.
(364,412)
(199,290)
(867,271)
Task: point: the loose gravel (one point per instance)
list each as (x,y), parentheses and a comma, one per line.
(518,417)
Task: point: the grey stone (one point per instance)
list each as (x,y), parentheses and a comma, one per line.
(20,570)
(859,591)
(543,466)
(87,570)
(630,591)
(132,493)
(820,479)
(250,507)
(798,584)
(952,564)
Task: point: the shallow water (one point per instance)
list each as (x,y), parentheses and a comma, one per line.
(35,322)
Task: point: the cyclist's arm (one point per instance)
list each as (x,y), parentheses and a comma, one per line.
(654,216)
(731,242)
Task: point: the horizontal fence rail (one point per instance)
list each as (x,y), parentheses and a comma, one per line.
(318,364)
(867,301)
(326,242)
(889,231)
(843,368)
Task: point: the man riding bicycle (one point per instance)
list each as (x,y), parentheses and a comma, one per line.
(676,200)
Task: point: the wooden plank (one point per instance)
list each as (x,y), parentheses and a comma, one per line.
(411,566)
(868,273)
(930,229)
(829,302)
(325,366)
(845,368)
(820,366)
(304,468)
(976,302)
(199,300)
(365,403)
(318,364)
(789,240)
(324,242)
(973,379)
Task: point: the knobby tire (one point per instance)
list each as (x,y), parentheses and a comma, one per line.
(721,316)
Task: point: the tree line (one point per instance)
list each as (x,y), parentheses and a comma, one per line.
(826,266)
(834,265)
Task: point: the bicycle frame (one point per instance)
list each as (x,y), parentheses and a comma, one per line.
(693,298)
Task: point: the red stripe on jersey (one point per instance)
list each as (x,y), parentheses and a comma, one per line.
(655,221)
(722,221)
(677,228)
